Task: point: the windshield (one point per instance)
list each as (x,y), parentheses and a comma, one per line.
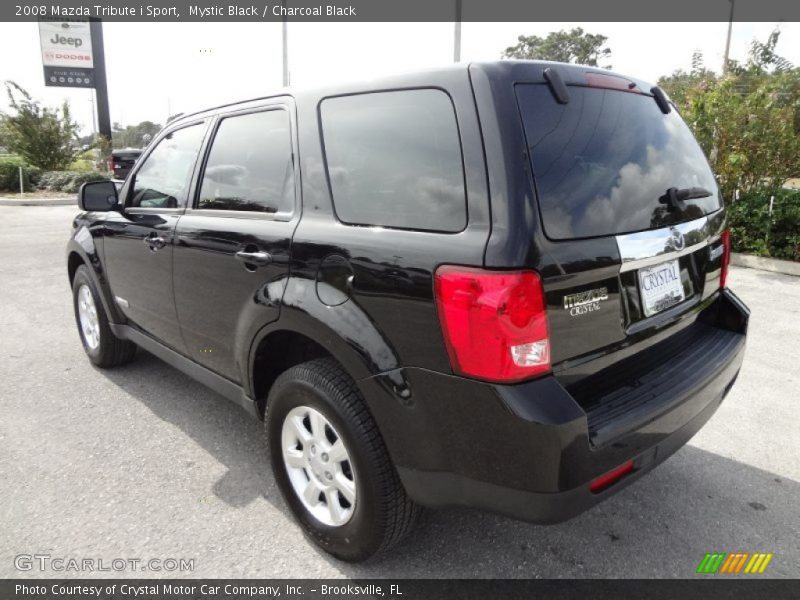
(605,161)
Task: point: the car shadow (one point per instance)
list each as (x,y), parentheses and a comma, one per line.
(223,429)
(661,526)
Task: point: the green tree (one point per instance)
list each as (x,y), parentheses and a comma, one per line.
(680,83)
(132,136)
(764,59)
(748,122)
(573,46)
(44,137)
(748,127)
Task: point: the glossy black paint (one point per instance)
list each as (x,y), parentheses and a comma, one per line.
(218,321)
(567,267)
(85,247)
(545,436)
(365,296)
(98,196)
(138,251)
(389,318)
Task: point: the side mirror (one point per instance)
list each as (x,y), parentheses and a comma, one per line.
(98,196)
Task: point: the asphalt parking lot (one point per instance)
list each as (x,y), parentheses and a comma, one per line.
(142,462)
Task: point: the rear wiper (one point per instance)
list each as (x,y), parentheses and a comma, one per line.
(675,197)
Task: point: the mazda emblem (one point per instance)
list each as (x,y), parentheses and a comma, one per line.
(676,240)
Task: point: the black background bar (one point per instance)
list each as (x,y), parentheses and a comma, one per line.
(411,10)
(702,587)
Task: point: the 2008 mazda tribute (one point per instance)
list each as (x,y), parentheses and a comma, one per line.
(498,285)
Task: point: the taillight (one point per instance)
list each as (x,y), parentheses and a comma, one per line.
(494,322)
(726,257)
(111,164)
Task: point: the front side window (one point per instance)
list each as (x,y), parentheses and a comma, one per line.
(163,179)
(250,166)
(394,160)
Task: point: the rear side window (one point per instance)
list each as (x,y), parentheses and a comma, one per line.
(394,160)
(604,161)
(250,165)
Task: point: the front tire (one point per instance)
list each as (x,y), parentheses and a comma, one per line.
(331,464)
(102,347)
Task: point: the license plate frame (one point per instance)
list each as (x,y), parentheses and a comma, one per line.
(660,287)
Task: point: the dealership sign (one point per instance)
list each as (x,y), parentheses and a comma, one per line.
(67,53)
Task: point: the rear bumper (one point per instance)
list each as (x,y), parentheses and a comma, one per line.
(529,450)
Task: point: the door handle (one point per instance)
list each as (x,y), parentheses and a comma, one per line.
(254,258)
(154,242)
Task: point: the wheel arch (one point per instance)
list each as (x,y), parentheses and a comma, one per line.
(74,260)
(296,337)
(79,254)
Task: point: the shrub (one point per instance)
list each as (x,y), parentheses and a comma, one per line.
(9,175)
(68,181)
(78,179)
(84,165)
(34,176)
(84,162)
(55,180)
(754,230)
(785,234)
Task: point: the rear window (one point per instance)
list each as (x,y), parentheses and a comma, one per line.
(394,160)
(604,161)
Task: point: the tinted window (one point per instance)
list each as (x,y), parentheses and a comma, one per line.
(603,161)
(250,165)
(163,180)
(394,160)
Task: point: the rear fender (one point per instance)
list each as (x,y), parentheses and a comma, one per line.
(344,331)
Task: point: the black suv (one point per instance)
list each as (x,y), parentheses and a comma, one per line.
(499,285)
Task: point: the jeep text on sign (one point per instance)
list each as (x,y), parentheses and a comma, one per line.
(66,44)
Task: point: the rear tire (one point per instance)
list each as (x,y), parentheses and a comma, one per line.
(374,512)
(102,347)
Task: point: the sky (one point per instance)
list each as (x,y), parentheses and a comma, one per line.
(158,69)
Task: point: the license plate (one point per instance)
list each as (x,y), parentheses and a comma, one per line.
(661,287)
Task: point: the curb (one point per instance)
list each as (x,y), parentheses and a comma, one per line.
(773,265)
(39,202)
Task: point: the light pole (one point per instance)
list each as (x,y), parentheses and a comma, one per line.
(728,40)
(285,37)
(94,114)
(100,85)
(457,34)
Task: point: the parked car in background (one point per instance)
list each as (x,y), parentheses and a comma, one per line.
(122,161)
(497,285)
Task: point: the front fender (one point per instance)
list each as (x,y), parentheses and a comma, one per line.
(83,244)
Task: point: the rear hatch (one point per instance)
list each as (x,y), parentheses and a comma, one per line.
(631,217)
